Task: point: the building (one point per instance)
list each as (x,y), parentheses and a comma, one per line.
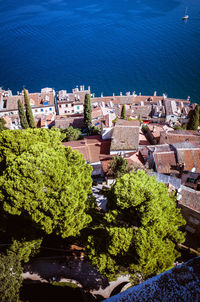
(93,148)
(179,136)
(71,103)
(125,137)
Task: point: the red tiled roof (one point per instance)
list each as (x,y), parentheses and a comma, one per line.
(92,147)
(165,162)
(178,136)
(191,159)
(190,198)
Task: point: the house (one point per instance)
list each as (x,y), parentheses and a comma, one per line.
(174,158)
(191,179)
(178,136)
(64,121)
(189,203)
(93,148)
(188,154)
(125,137)
(41,103)
(71,103)
(175,111)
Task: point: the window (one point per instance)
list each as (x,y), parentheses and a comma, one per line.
(4,103)
(72,111)
(60,106)
(50,109)
(191,180)
(66,105)
(65,111)
(78,107)
(41,110)
(72,105)
(36,110)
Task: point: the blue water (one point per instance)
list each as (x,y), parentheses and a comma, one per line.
(111,45)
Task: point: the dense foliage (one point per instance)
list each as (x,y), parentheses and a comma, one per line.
(118,167)
(194,119)
(25,249)
(142,228)
(123,112)
(10,278)
(22,116)
(87,110)
(2,124)
(71,134)
(42,180)
(29,113)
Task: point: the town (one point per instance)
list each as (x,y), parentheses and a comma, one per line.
(128,132)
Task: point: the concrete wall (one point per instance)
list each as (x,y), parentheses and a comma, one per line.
(70,108)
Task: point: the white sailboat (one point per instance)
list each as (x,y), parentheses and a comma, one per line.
(186,17)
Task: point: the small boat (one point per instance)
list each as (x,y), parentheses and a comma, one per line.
(186,17)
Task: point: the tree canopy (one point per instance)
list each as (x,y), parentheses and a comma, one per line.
(22,116)
(87,110)
(118,167)
(44,181)
(123,112)
(71,134)
(29,113)
(142,228)
(10,278)
(194,119)
(2,124)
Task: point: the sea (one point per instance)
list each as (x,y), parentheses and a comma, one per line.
(112,46)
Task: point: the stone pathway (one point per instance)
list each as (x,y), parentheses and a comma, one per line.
(71,270)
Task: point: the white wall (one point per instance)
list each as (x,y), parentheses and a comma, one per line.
(106,133)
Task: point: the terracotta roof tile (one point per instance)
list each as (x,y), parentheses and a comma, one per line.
(165,162)
(190,198)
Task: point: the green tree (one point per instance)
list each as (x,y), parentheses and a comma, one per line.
(2,124)
(194,119)
(140,231)
(71,134)
(118,167)
(10,278)
(22,116)
(44,181)
(25,249)
(29,113)
(123,112)
(87,110)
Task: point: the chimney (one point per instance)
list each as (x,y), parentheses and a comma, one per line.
(102,95)
(120,93)
(155,92)
(89,88)
(113,94)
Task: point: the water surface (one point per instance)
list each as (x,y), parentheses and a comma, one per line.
(111,45)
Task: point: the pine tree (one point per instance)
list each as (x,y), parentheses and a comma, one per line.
(44,182)
(139,232)
(123,112)
(10,278)
(87,110)
(194,119)
(29,113)
(22,116)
